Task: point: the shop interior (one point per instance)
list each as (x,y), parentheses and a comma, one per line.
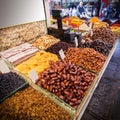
(101,8)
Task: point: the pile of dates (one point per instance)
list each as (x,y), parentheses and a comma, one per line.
(58,46)
(86,57)
(99,46)
(67,81)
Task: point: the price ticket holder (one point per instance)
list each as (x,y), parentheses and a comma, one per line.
(59,31)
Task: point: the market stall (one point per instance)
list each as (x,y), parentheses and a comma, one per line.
(55,77)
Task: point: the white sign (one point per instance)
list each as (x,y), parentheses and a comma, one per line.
(61,53)
(33,75)
(76,42)
(3,67)
(91,32)
(91,25)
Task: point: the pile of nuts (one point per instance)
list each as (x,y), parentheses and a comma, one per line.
(67,81)
(58,46)
(9,82)
(86,57)
(19,34)
(29,104)
(45,41)
(39,62)
(99,46)
(104,34)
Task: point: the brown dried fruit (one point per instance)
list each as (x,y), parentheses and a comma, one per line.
(71,84)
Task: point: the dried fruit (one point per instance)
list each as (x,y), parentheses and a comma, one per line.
(99,46)
(39,62)
(67,81)
(29,104)
(86,57)
(58,46)
(9,82)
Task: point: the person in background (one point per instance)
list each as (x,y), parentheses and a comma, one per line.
(81,11)
(70,11)
(56,6)
(118,10)
(111,11)
(74,11)
(104,5)
(96,8)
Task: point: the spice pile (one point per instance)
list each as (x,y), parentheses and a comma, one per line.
(9,82)
(45,41)
(73,21)
(86,57)
(66,80)
(115,28)
(58,46)
(29,104)
(39,62)
(99,46)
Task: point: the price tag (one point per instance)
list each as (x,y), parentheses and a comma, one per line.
(91,32)
(67,23)
(61,53)
(76,42)
(91,25)
(3,67)
(82,41)
(33,75)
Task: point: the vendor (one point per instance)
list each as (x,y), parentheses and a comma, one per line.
(81,11)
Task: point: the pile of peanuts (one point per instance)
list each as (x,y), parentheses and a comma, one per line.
(99,46)
(104,34)
(67,81)
(45,41)
(86,57)
(29,104)
(58,46)
(38,62)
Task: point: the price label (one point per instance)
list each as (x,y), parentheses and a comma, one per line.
(3,67)
(61,53)
(76,42)
(91,25)
(91,32)
(67,23)
(33,75)
(82,41)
